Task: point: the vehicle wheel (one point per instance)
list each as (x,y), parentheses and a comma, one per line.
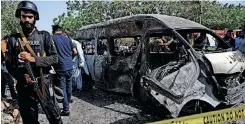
(195,107)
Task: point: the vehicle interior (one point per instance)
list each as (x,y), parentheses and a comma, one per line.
(164,48)
(124,46)
(204,40)
(88,46)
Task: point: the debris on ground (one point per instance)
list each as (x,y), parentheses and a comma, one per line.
(9,112)
(96,107)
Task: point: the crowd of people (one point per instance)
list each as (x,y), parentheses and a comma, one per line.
(163,44)
(125,48)
(237,42)
(204,40)
(89,48)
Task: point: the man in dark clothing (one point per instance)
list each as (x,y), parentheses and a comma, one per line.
(6,77)
(201,42)
(228,38)
(242,42)
(64,67)
(41,43)
(171,43)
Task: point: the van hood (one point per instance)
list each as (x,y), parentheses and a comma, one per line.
(227,62)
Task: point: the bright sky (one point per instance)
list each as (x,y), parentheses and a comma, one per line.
(48,10)
(51,9)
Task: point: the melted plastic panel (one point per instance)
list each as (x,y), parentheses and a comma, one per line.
(99,67)
(121,72)
(113,72)
(180,87)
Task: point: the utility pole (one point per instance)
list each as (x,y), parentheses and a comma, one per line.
(200,16)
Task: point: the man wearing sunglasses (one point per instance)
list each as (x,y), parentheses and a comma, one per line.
(41,43)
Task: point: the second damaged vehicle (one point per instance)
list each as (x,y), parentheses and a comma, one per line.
(165,60)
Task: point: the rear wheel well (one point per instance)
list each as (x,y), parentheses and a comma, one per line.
(195,107)
(146,100)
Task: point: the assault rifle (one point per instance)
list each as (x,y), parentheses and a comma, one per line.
(50,109)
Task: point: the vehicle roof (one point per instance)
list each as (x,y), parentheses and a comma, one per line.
(135,25)
(172,22)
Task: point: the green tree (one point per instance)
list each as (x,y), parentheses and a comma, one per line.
(8,20)
(209,13)
(218,16)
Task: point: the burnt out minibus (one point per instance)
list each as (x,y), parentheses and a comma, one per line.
(164,60)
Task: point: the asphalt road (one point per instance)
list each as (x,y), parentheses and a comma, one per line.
(101,107)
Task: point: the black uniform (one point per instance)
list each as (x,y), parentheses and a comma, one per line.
(41,42)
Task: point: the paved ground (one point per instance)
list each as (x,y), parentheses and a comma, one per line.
(101,107)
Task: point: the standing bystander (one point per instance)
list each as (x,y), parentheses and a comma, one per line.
(228,38)
(64,67)
(6,77)
(242,42)
(79,64)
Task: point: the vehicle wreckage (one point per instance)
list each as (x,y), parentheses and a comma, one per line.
(166,63)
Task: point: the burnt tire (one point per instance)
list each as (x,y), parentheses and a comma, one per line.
(195,107)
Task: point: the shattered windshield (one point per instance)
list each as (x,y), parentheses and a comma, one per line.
(203,40)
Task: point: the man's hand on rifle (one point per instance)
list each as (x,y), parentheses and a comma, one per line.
(28,79)
(27,57)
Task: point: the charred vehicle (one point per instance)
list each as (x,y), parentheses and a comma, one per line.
(170,61)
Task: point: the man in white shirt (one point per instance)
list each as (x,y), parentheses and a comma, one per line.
(78,64)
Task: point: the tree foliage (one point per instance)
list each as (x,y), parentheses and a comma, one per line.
(209,13)
(8,20)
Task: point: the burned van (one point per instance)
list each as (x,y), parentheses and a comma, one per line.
(165,60)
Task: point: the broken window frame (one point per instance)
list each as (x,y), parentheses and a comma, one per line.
(112,48)
(221,44)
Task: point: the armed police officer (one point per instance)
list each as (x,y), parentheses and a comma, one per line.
(42,43)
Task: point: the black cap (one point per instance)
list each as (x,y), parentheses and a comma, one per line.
(27,5)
